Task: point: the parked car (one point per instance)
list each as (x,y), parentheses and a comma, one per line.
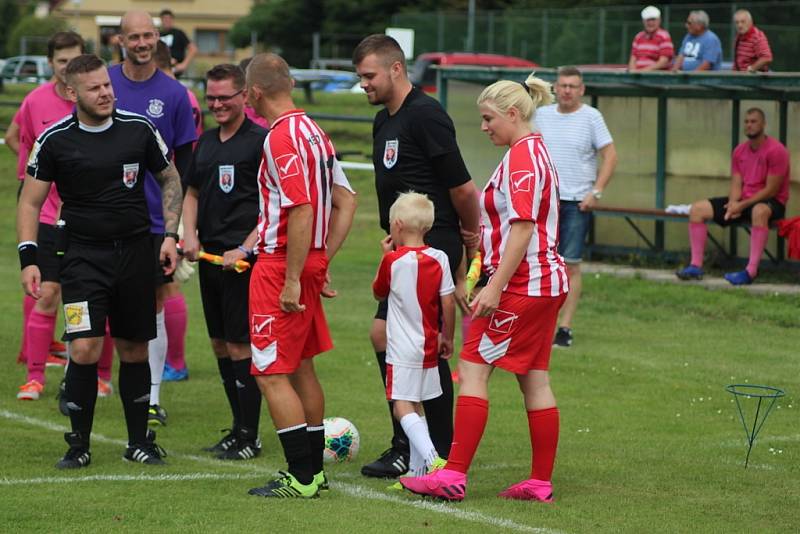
(327,80)
(26,69)
(422,75)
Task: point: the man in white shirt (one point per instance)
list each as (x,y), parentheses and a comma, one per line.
(575,134)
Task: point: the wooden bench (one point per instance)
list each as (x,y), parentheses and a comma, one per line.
(659,215)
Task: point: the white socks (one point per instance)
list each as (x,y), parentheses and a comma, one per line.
(423,453)
(157,356)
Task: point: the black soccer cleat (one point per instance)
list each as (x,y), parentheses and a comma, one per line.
(149,452)
(227,441)
(78,454)
(391,464)
(563,338)
(246,446)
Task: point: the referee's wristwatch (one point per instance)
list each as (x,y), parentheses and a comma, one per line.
(597,194)
(173,235)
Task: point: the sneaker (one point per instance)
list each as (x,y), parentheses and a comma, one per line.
(54,360)
(391,464)
(156,416)
(321,480)
(246,446)
(104,388)
(78,454)
(58,348)
(62,398)
(563,337)
(149,452)
(30,390)
(227,441)
(174,375)
(287,487)
(437,464)
(739,278)
(530,490)
(444,484)
(690,272)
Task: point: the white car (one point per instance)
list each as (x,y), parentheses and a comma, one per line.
(26,69)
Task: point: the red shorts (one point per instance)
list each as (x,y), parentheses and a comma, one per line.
(518,337)
(280,340)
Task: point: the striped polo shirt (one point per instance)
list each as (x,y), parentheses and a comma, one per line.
(648,47)
(751,47)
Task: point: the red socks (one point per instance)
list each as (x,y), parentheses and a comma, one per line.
(543,426)
(175,319)
(697,240)
(470,422)
(37,340)
(758,240)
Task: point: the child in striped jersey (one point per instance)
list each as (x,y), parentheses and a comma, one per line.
(416,280)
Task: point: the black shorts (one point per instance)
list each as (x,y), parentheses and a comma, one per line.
(110,280)
(161,278)
(718,205)
(49,262)
(448,242)
(225,300)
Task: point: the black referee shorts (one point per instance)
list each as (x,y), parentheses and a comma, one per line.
(109,280)
(49,262)
(161,278)
(718,205)
(448,242)
(225,296)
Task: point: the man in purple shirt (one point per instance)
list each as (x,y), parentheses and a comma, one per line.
(142,88)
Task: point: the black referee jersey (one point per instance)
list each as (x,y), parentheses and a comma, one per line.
(226,178)
(99,173)
(404,145)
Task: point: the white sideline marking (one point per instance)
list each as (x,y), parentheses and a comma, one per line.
(122,478)
(354,490)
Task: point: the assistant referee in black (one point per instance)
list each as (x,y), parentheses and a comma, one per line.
(220,214)
(97,158)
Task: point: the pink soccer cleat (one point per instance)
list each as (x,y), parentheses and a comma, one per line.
(530,490)
(444,484)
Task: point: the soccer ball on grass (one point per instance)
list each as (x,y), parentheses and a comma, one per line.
(341,440)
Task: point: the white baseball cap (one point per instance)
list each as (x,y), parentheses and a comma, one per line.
(651,12)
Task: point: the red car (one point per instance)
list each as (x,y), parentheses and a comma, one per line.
(425,77)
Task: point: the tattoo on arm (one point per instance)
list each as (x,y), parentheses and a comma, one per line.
(171,197)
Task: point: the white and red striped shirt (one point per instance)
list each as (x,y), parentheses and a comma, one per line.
(524,187)
(413,279)
(647,48)
(298,166)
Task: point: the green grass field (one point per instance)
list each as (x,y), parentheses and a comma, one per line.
(650,440)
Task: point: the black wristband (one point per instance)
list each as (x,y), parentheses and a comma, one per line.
(173,235)
(27,254)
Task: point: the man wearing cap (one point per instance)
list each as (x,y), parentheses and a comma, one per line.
(652,48)
(752,48)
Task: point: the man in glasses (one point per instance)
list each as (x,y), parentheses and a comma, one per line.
(221,214)
(575,134)
(652,47)
(142,88)
(701,48)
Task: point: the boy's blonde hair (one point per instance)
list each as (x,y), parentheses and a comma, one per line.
(415,210)
(525,97)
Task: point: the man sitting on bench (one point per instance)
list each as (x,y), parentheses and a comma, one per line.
(758,195)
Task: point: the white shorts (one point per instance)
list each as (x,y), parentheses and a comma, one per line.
(412,383)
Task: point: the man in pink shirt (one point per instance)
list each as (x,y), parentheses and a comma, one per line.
(758,195)
(41,108)
(652,48)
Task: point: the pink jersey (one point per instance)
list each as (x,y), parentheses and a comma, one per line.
(771,159)
(197,114)
(42,108)
(413,279)
(524,187)
(298,166)
(251,114)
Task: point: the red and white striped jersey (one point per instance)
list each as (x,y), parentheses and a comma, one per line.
(524,187)
(413,279)
(298,166)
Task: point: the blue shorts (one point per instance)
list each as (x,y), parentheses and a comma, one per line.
(573,225)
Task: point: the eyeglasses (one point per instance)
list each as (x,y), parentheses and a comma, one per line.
(221,98)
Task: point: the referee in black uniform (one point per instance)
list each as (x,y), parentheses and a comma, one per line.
(414,149)
(220,213)
(97,158)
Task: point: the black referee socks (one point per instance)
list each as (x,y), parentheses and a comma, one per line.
(228,376)
(134,390)
(81,395)
(249,395)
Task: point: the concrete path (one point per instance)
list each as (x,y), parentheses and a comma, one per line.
(664,275)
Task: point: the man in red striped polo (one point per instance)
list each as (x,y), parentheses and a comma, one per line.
(752,48)
(652,48)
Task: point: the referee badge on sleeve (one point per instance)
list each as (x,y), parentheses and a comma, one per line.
(226,178)
(390,153)
(130,174)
